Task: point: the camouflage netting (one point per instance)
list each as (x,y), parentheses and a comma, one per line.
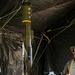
(11,53)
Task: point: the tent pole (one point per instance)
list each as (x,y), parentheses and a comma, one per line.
(26,34)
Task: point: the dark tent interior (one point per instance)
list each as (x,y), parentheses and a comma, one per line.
(53,26)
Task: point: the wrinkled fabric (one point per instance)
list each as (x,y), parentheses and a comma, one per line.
(72,68)
(69,68)
(15,64)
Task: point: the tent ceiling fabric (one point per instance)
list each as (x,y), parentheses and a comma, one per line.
(45,12)
(40,18)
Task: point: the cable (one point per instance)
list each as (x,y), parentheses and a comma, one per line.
(63,29)
(26,1)
(37,49)
(46,36)
(11,12)
(60,27)
(8,14)
(16,4)
(41,54)
(10,18)
(53,38)
(56,29)
(39,38)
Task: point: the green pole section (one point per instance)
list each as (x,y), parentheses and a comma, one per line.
(26,33)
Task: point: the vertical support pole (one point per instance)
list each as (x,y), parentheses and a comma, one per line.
(0,53)
(26,31)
